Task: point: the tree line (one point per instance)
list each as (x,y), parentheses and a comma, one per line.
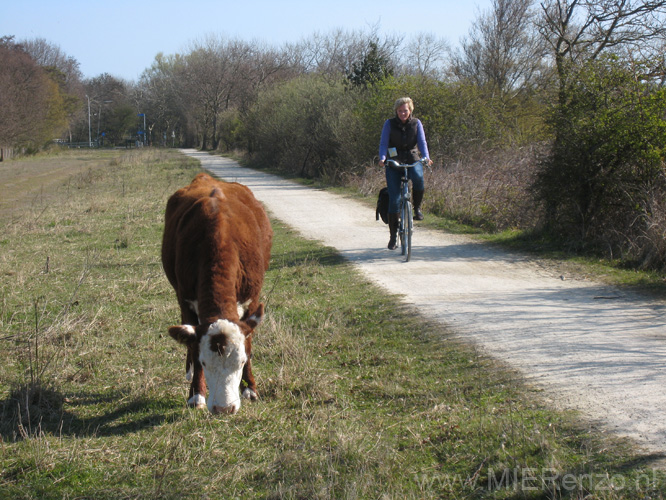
(548,116)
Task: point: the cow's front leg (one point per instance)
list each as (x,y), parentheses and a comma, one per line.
(197,396)
(250,391)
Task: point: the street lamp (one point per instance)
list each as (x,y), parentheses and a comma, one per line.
(89,130)
(99,118)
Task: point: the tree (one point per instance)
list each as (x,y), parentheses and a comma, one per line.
(110,98)
(578,31)
(161,96)
(502,63)
(64,71)
(424,55)
(215,74)
(335,53)
(121,123)
(609,155)
(304,126)
(374,67)
(49,55)
(25,97)
(502,53)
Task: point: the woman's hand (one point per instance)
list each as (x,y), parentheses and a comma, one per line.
(381,163)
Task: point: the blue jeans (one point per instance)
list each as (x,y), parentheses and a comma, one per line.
(415,174)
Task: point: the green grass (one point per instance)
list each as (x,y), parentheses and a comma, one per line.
(360,396)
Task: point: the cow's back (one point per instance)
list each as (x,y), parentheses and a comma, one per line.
(217,238)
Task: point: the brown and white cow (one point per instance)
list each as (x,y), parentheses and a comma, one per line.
(215,251)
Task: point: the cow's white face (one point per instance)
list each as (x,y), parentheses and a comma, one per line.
(222,355)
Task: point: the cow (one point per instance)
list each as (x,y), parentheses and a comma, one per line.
(215,251)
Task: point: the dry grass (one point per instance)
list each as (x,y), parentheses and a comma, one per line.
(360,397)
(490,190)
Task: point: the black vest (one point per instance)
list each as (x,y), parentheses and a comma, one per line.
(403,138)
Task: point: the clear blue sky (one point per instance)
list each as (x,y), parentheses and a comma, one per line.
(122,37)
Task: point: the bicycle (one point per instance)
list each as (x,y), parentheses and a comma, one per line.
(406,224)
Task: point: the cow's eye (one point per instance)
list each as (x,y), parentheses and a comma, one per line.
(203,363)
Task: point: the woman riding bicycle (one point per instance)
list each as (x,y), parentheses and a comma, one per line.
(403,140)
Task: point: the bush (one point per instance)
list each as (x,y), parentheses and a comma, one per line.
(305,127)
(488,191)
(607,157)
(460,120)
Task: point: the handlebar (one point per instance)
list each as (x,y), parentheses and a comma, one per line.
(395,164)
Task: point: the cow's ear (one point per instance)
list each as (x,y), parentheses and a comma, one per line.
(184,334)
(256,317)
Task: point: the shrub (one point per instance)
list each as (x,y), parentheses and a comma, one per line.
(489,190)
(305,127)
(607,156)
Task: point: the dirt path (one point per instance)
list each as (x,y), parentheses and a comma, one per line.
(593,348)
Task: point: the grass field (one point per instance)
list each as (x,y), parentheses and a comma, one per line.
(360,397)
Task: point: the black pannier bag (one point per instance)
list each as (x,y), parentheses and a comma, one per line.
(382,205)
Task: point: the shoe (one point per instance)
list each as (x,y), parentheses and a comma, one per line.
(393,244)
(418,215)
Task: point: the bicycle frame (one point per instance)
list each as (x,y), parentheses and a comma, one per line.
(406,225)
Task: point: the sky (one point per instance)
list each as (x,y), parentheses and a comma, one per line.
(122,37)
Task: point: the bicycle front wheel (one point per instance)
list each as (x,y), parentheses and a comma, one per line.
(407,230)
(402,230)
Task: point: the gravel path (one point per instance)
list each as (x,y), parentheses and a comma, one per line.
(593,348)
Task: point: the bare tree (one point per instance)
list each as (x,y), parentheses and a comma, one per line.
(502,52)
(113,107)
(24,96)
(589,180)
(64,71)
(219,75)
(336,53)
(160,96)
(425,55)
(49,55)
(581,30)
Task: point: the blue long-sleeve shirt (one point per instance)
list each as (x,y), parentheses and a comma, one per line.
(420,140)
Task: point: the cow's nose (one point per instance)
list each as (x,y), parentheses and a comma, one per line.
(229,410)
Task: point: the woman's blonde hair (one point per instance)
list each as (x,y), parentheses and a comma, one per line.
(404,100)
